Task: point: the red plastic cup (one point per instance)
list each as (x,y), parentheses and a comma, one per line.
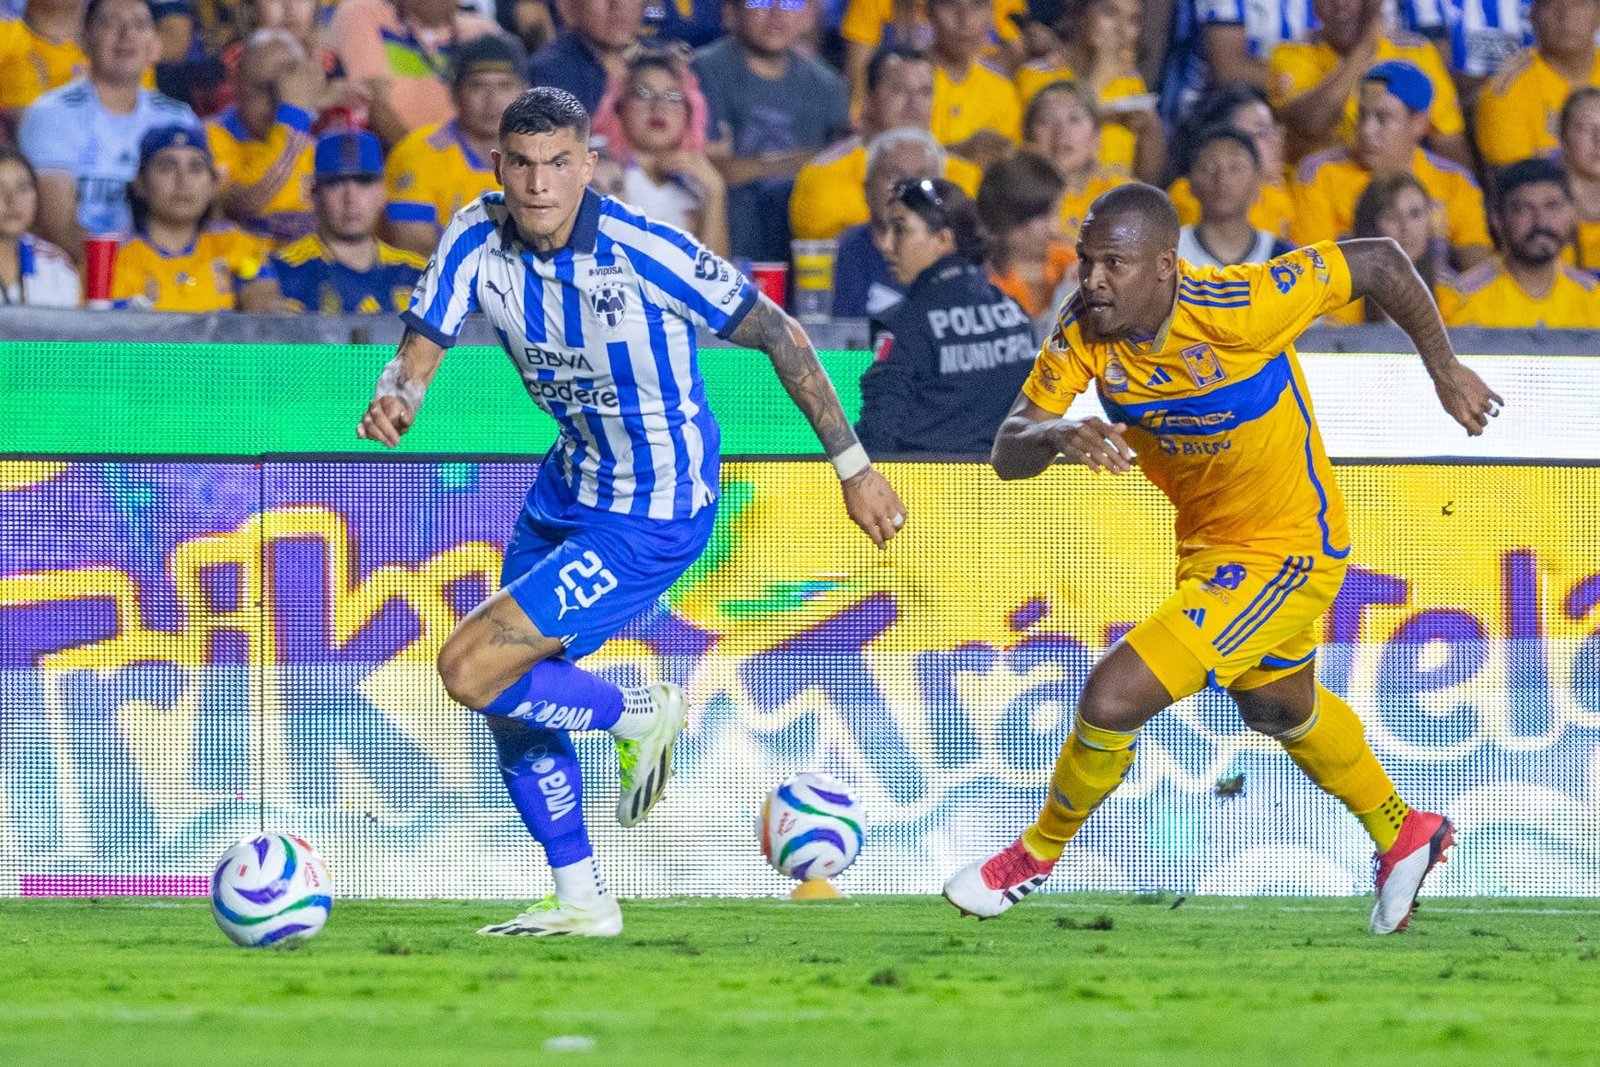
(100,260)
(773,280)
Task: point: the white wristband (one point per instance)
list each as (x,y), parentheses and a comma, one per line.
(851,462)
(409,394)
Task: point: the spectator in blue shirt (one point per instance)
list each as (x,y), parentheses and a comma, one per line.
(343,268)
(593,48)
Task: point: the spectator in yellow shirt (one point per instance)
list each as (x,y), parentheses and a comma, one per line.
(438,169)
(174,262)
(1018,204)
(263,143)
(828,195)
(40,51)
(1313,84)
(1243,108)
(1527,285)
(1580,154)
(1519,110)
(1393,119)
(1098,48)
(1063,126)
(400,54)
(872,24)
(1227,179)
(1398,207)
(976,113)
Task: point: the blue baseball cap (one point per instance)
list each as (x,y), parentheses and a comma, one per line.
(349,154)
(1405,81)
(159,137)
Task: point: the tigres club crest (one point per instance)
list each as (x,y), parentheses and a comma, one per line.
(610,302)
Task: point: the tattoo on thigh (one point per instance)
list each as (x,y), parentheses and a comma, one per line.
(510,631)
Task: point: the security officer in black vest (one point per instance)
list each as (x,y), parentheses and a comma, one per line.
(950,359)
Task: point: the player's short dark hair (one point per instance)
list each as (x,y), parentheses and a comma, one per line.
(545,109)
(94,7)
(1509,179)
(1213,134)
(943,205)
(880,60)
(1017,190)
(1569,110)
(1152,207)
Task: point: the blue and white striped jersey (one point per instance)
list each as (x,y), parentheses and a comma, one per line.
(1483,33)
(1267,24)
(602,331)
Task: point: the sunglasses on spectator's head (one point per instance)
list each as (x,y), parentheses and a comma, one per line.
(919,196)
(646,95)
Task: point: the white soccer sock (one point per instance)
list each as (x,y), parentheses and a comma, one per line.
(580,883)
(638,711)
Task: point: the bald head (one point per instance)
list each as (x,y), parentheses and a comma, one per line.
(1136,208)
(1127,262)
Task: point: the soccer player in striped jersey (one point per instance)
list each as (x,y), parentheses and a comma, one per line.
(1196,370)
(597,307)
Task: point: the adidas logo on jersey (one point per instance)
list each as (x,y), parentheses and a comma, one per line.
(1196,616)
(1160,377)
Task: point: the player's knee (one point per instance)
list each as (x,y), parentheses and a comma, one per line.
(464,684)
(1106,705)
(1268,716)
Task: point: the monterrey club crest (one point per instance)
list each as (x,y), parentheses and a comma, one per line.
(610,302)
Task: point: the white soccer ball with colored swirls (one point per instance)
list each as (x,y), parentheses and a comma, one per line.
(270,888)
(810,827)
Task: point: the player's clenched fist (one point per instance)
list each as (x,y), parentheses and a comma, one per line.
(387,418)
(1468,400)
(1093,442)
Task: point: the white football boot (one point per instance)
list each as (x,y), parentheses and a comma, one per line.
(551,918)
(646,762)
(989,886)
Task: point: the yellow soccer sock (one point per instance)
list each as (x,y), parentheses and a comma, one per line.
(1332,749)
(1092,762)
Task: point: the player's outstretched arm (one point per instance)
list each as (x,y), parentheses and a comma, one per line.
(870,500)
(1381,271)
(400,390)
(1031,438)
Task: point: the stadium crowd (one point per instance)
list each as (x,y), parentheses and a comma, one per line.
(304,155)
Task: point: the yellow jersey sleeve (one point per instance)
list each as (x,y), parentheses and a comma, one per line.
(863,20)
(1463,209)
(1060,372)
(246,256)
(132,271)
(410,194)
(1293,71)
(828,195)
(1291,292)
(1318,202)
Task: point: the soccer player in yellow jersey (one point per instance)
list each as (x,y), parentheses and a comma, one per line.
(1196,370)
(1527,285)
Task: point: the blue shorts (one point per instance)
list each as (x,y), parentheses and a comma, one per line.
(583,574)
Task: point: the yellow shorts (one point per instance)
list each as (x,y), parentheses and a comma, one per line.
(1239,620)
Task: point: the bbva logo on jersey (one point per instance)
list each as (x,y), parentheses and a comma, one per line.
(610,302)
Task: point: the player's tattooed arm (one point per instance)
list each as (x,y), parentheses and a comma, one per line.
(871,502)
(784,340)
(400,390)
(1380,271)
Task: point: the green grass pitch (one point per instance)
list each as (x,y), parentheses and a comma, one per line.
(1079,979)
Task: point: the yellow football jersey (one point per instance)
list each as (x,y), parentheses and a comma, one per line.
(1487,295)
(1117,142)
(865,21)
(243,160)
(205,278)
(31,65)
(1297,67)
(982,100)
(1587,255)
(1328,184)
(433,173)
(1074,206)
(830,194)
(1216,406)
(1519,109)
(1273,210)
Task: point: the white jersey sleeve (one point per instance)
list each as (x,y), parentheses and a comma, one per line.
(447,292)
(51,136)
(680,274)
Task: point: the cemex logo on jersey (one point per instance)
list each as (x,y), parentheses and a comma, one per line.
(610,302)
